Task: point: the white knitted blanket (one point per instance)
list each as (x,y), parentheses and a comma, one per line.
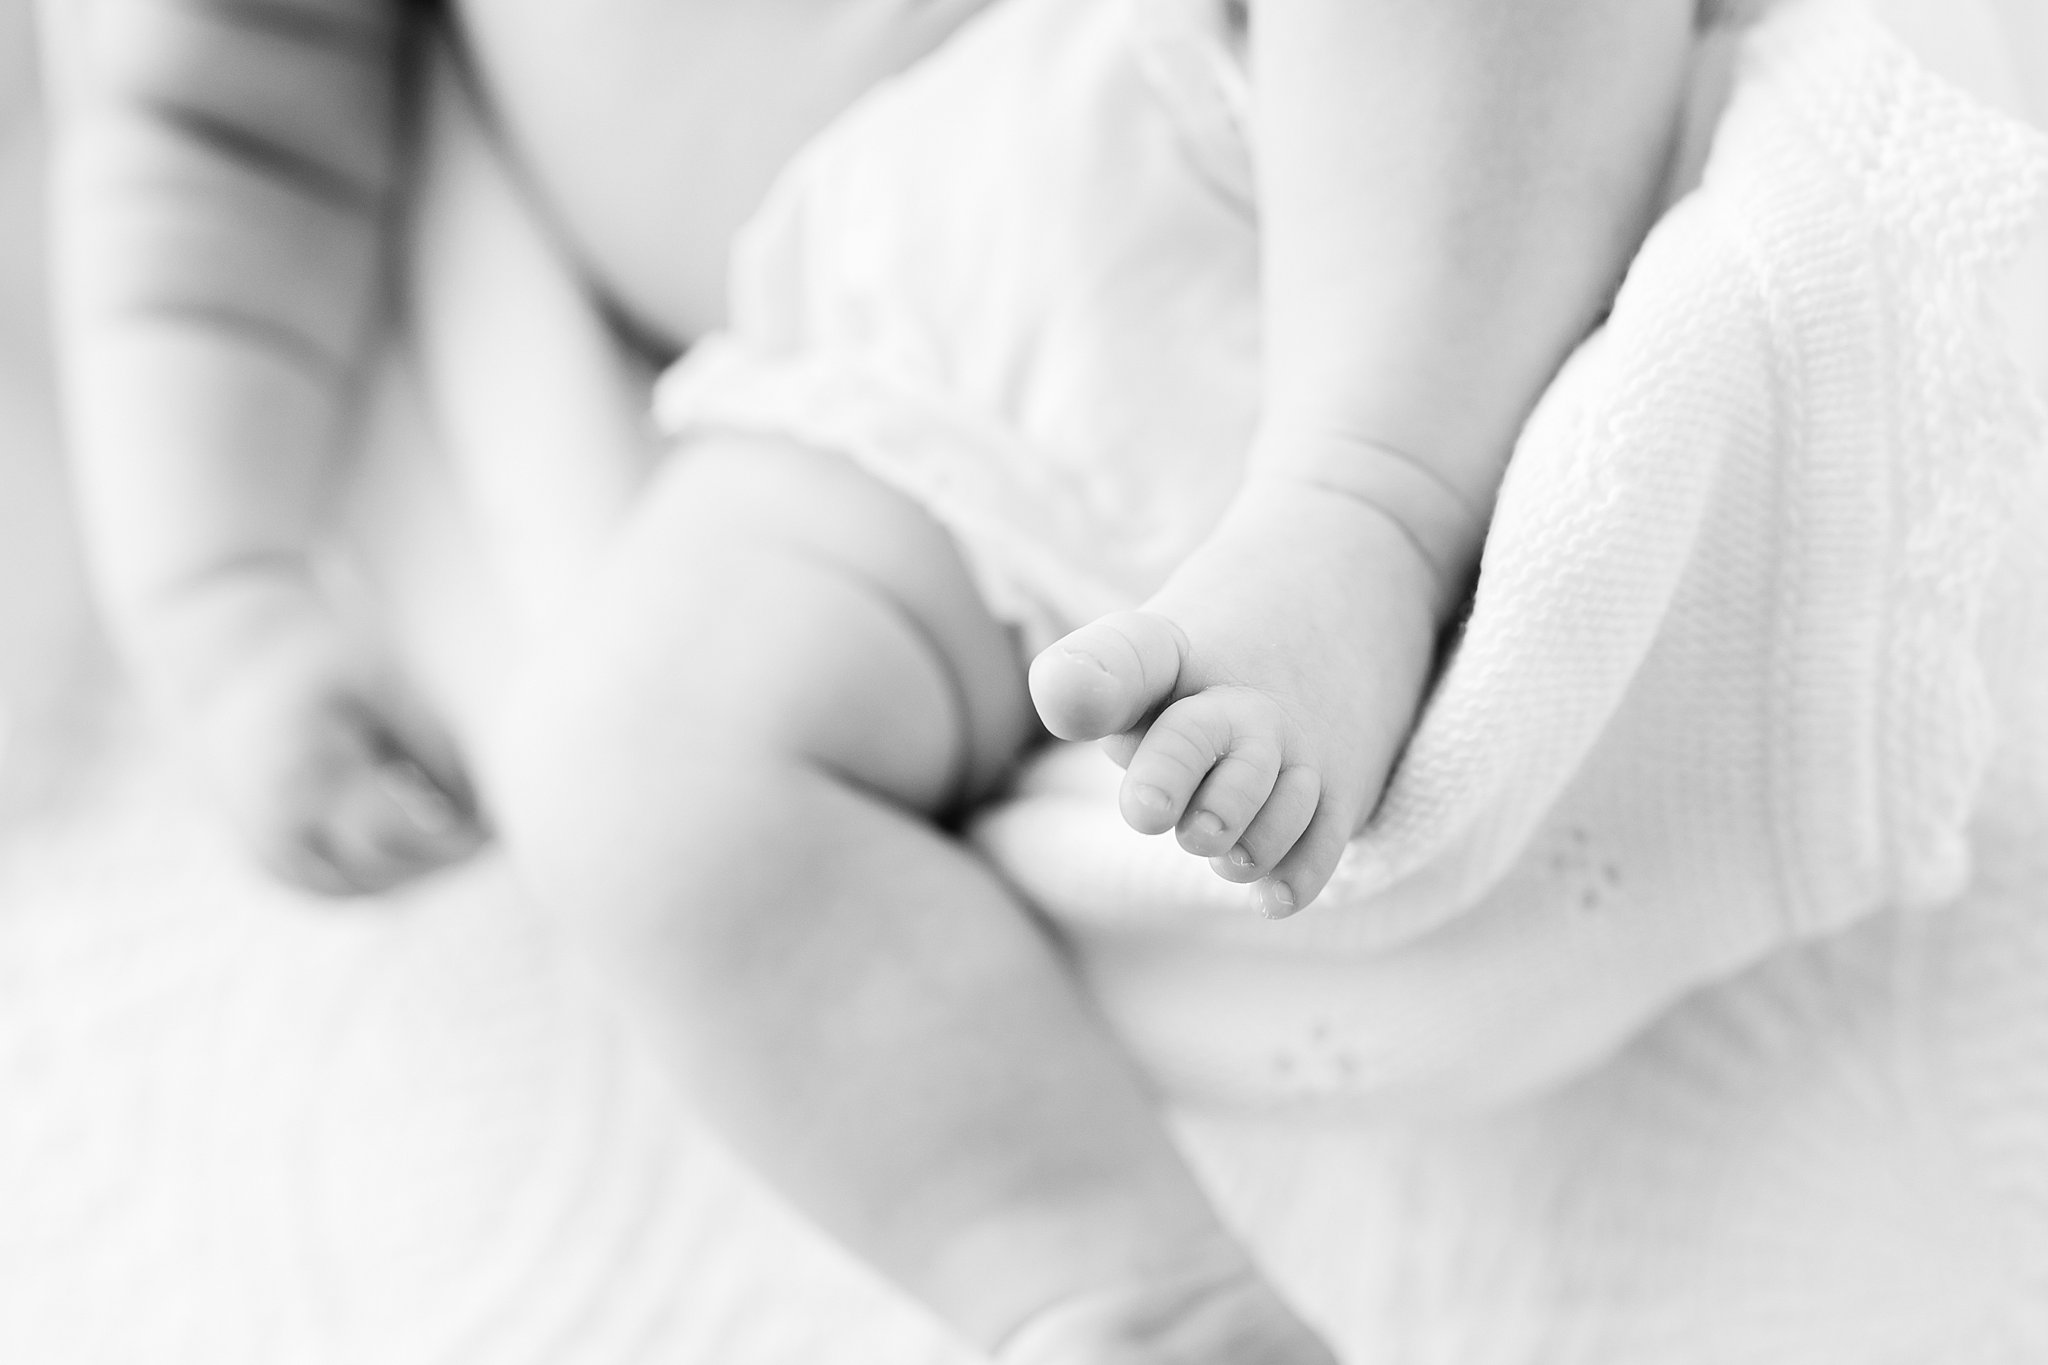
(1721,686)
(241,1128)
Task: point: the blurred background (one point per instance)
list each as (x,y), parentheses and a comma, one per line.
(49,669)
(239,1129)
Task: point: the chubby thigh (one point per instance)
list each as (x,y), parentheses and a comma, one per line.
(773,604)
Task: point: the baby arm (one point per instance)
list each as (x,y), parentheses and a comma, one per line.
(223,177)
(1448,193)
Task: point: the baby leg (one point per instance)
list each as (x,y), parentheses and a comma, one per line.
(1448,194)
(726,782)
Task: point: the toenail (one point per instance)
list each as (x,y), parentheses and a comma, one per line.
(1241,857)
(1151,798)
(1083,656)
(1206,825)
(1275,899)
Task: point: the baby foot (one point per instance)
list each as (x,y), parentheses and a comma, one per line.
(1259,700)
(336,783)
(1224,1314)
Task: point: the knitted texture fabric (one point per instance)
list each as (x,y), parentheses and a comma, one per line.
(1719,687)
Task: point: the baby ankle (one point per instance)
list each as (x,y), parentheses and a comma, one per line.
(1443,528)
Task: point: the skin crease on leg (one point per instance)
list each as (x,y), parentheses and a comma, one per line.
(736,822)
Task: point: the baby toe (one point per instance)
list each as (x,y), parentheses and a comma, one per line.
(1230,796)
(1105,677)
(1300,876)
(1273,831)
(1177,752)
(1224,805)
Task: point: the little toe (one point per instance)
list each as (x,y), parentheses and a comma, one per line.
(1184,749)
(1300,876)
(1103,678)
(1273,831)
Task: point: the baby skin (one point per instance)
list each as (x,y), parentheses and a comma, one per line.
(847,994)
(1420,291)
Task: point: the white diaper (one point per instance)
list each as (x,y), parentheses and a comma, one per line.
(1001,283)
(1721,686)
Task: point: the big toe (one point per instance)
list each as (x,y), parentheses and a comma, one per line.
(1105,677)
